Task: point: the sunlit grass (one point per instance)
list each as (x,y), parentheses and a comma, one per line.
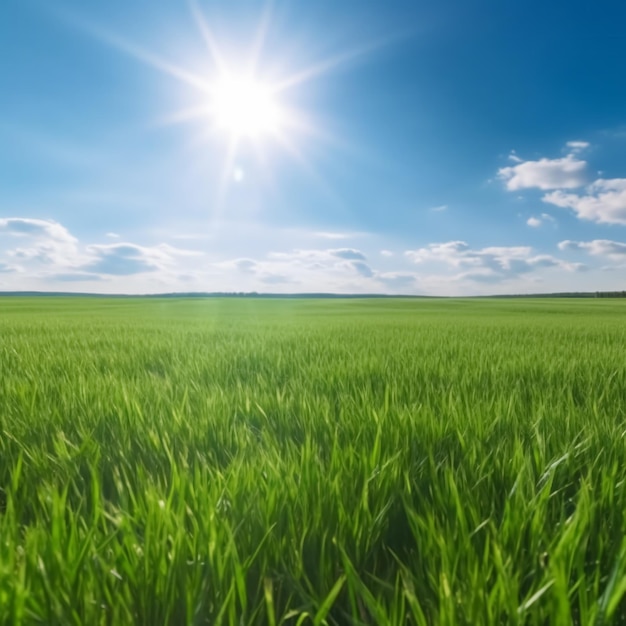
(312,462)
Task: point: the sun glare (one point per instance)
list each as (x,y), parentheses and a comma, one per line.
(245,107)
(236,102)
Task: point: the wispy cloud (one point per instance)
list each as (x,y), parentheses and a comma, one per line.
(308,256)
(123,259)
(245,266)
(333,235)
(577,146)
(310,267)
(49,251)
(348,253)
(29,227)
(490,264)
(398,280)
(277,279)
(45,241)
(615,250)
(327,270)
(74,277)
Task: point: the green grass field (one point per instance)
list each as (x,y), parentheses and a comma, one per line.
(250,461)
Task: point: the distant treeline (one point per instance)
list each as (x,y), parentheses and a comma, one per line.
(212,294)
(565,294)
(610,294)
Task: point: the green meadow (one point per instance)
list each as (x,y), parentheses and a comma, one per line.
(254,461)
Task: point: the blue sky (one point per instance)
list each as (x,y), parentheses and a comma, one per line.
(440,148)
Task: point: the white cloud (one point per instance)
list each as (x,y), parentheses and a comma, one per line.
(50,252)
(387,253)
(47,241)
(123,259)
(284,267)
(311,256)
(604,201)
(50,257)
(112,235)
(536,222)
(490,264)
(342,269)
(254,272)
(316,259)
(440,208)
(615,250)
(564,173)
(450,252)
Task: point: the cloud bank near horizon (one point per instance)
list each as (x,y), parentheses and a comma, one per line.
(44,254)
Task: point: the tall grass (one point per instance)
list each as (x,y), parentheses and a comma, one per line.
(174,462)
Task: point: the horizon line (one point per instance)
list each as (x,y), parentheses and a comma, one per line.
(295,295)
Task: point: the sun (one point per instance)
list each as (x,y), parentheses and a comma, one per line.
(244,96)
(245,107)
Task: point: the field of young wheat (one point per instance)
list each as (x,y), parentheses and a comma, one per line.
(248,461)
